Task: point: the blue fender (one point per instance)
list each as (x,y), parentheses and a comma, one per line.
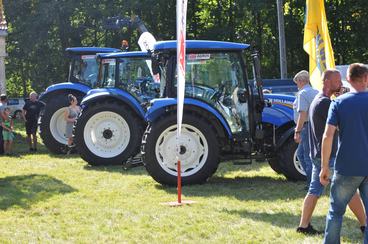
(281,110)
(159,106)
(103,93)
(64,86)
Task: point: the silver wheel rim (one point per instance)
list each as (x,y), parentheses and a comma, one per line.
(106,134)
(193,155)
(58,125)
(298,165)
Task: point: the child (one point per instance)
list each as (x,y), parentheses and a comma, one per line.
(70,116)
(8,135)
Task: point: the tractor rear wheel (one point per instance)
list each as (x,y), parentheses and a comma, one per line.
(199,150)
(52,126)
(108,133)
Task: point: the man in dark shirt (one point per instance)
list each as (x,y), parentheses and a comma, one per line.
(317,120)
(31,112)
(349,114)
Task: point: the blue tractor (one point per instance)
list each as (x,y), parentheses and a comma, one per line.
(111,125)
(226,117)
(82,77)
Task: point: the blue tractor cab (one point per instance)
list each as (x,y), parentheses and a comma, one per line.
(82,77)
(111,125)
(225,117)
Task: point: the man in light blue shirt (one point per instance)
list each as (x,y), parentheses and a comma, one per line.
(301,105)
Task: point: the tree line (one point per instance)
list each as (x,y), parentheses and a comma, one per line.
(40,30)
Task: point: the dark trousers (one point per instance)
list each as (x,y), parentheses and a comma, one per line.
(1,141)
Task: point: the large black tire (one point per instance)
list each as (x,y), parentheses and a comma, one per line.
(120,116)
(53,137)
(275,165)
(286,154)
(167,124)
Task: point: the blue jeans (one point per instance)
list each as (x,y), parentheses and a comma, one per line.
(303,153)
(315,186)
(343,189)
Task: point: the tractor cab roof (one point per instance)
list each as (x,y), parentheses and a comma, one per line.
(90,50)
(123,55)
(202,45)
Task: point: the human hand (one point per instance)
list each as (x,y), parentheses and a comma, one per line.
(297,138)
(324,176)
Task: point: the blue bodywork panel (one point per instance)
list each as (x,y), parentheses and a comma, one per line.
(280,86)
(123,55)
(194,44)
(158,106)
(281,111)
(124,96)
(90,50)
(66,86)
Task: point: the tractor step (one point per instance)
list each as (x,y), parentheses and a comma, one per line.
(133,162)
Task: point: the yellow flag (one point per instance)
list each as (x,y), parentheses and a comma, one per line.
(317,41)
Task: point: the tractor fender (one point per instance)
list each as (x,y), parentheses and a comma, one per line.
(65,87)
(284,137)
(162,105)
(108,93)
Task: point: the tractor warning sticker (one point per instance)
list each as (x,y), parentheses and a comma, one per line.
(108,61)
(88,57)
(199,56)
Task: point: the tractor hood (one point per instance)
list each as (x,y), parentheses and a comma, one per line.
(281,110)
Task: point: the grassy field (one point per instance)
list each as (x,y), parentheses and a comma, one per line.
(56,199)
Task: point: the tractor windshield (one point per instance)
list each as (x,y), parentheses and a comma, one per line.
(133,75)
(84,70)
(217,78)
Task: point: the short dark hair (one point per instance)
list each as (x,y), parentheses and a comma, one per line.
(357,71)
(3,97)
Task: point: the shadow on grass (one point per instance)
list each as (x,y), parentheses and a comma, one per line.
(244,188)
(140,170)
(291,221)
(25,190)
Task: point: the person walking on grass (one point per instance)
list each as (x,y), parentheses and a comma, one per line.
(31,112)
(301,105)
(70,116)
(8,136)
(318,111)
(349,115)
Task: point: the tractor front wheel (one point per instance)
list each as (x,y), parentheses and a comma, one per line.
(198,150)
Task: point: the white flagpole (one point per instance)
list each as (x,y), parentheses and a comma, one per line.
(181,15)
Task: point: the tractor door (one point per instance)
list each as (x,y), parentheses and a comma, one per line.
(218,79)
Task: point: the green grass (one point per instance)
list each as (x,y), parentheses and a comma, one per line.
(52,199)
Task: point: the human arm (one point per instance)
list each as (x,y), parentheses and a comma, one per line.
(24,115)
(5,127)
(327,141)
(302,118)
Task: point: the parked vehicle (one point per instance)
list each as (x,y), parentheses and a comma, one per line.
(224,117)
(111,125)
(16,107)
(82,77)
